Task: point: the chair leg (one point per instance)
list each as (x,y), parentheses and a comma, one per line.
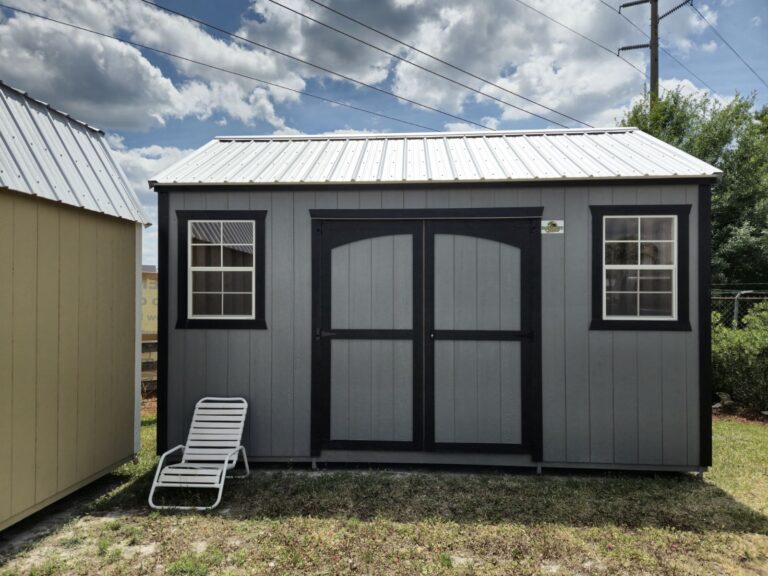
(245,463)
(151,496)
(218,498)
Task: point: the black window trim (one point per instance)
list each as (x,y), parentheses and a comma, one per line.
(257,323)
(682,323)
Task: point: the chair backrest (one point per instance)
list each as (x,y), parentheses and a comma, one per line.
(216,430)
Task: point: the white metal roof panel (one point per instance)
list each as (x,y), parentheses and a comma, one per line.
(370,162)
(394,160)
(46,153)
(544,155)
(415,168)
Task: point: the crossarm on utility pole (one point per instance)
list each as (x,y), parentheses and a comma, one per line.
(653,44)
(633,3)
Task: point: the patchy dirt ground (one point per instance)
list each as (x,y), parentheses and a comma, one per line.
(395,522)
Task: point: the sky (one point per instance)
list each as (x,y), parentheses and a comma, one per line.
(156,109)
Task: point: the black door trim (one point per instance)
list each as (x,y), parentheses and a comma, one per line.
(525,234)
(428,213)
(494,335)
(323,239)
(326,235)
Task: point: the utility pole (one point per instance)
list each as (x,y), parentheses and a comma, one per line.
(654,40)
(654,51)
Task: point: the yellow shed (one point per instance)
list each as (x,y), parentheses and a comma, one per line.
(70,307)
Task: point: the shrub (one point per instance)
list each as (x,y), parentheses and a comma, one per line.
(740,358)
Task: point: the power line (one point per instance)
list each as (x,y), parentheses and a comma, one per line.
(739,56)
(643,32)
(437,59)
(667,52)
(414,64)
(313,65)
(217,68)
(579,34)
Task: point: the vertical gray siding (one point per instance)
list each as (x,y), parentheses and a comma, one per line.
(608,397)
(477,384)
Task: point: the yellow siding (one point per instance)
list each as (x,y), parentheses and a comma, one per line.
(125,321)
(46,443)
(24,355)
(105,379)
(69,290)
(6,355)
(86,358)
(67,349)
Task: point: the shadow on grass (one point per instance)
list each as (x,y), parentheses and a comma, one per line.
(677,502)
(633,501)
(670,501)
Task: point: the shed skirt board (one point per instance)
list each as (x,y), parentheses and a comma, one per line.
(426,335)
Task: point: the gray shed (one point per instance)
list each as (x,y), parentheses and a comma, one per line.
(507,298)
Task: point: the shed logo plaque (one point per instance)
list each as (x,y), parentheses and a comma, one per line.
(552,226)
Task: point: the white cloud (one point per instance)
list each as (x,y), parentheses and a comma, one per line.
(611,115)
(504,42)
(756,21)
(139,165)
(709,47)
(111,84)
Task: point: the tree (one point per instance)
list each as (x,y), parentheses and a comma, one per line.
(733,137)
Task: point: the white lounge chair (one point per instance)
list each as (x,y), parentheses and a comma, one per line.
(213,448)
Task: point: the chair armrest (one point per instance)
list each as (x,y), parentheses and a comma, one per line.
(228,456)
(165,454)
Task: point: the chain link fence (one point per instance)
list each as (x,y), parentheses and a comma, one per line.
(733,305)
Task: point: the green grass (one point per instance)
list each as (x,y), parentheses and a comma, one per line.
(432,522)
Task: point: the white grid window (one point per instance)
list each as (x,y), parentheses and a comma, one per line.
(640,267)
(222,271)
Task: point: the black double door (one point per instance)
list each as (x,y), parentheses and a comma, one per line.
(426,335)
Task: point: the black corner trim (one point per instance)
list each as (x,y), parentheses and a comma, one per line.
(258,323)
(682,324)
(427,213)
(162,325)
(705,325)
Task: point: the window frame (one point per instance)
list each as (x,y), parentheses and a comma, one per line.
(679,321)
(185,319)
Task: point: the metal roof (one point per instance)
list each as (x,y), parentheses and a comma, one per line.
(46,153)
(544,155)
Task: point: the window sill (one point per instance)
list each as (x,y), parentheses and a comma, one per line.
(223,324)
(642,325)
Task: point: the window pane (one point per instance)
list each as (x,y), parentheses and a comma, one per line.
(238,255)
(206,256)
(655,304)
(238,233)
(657,253)
(206,232)
(621,280)
(621,228)
(206,281)
(656,280)
(237,304)
(619,304)
(656,228)
(237,281)
(206,304)
(621,253)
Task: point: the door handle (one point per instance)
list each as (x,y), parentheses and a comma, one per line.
(323,334)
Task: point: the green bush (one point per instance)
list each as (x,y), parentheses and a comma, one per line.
(740,358)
